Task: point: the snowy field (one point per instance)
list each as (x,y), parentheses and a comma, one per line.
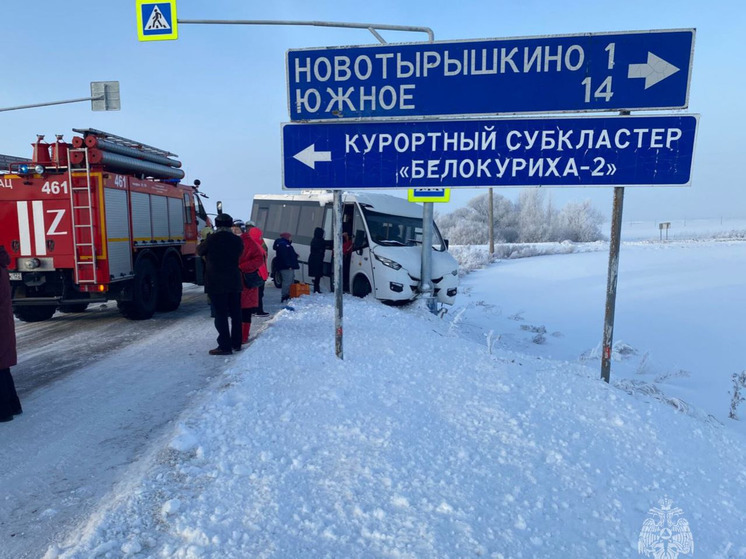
(484,433)
(682,229)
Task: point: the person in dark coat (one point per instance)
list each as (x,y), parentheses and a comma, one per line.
(286,262)
(10,405)
(316,258)
(222,251)
(252,258)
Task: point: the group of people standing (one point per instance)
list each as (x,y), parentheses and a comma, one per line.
(229,258)
(316,259)
(231,253)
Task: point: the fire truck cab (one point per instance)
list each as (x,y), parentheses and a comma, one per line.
(103,218)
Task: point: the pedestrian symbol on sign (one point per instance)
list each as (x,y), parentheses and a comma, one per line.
(156,20)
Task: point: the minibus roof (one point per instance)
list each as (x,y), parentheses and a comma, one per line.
(382,203)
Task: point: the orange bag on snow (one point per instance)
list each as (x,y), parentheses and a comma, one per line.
(298,289)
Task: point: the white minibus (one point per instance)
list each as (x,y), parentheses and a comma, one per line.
(387,239)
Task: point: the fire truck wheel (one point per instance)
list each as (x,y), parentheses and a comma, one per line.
(169,284)
(144,292)
(34,313)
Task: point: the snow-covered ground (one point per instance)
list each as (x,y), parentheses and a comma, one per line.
(484,433)
(682,229)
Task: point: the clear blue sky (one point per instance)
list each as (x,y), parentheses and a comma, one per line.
(217,96)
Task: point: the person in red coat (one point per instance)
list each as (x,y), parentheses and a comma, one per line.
(257,235)
(10,405)
(251,260)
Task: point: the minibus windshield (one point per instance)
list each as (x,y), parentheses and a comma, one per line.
(396,230)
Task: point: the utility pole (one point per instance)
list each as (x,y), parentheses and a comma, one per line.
(491,217)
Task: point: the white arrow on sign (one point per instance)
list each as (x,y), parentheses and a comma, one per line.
(310,156)
(654,70)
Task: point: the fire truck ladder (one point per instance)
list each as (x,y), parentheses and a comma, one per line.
(81,200)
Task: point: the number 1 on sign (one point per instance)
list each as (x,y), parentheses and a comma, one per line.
(602,92)
(610,49)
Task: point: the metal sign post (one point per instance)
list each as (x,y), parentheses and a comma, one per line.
(338,274)
(104,97)
(611,281)
(664,227)
(491,218)
(426,284)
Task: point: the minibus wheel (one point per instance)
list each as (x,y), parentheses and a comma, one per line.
(361,286)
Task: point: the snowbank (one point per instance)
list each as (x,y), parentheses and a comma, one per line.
(421,443)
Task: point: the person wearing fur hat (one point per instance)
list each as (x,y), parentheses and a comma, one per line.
(222,251)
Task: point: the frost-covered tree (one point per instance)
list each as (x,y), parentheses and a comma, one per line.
(579,222)
(462,227)
(532,219)
(737,394)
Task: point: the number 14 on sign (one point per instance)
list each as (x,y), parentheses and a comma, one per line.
(603,91)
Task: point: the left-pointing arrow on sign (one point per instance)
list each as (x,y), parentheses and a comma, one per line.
(654,70)
(310,156)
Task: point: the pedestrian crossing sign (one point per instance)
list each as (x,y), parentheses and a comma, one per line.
(156,21)
(429,194)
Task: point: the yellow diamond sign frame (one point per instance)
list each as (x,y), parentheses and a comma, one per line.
(156,21)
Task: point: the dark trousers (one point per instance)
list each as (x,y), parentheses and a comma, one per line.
(260,308)
(227,305)
(346,272)
(316,284)
(9,403)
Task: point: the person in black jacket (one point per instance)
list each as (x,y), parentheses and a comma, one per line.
(286,262)
(222,250)
(10,405)
(316,258)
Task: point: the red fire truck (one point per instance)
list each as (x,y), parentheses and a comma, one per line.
(103,218)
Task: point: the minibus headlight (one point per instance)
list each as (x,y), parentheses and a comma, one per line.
(388,262)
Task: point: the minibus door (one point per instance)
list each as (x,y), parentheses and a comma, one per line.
(361,266)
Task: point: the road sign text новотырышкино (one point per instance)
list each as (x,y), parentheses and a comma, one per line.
(568,73)
(569,152)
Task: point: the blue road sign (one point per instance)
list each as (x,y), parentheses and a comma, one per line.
(156,20)
(568,152)
(429,194)
(567,73)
